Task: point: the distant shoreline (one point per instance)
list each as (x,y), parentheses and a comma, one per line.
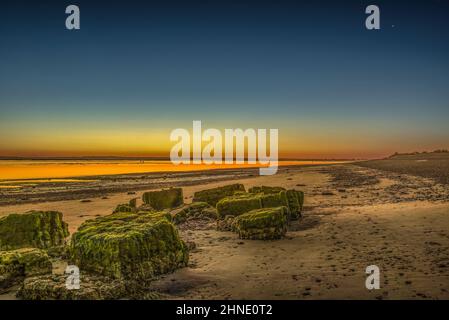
(66,169)
(106,158)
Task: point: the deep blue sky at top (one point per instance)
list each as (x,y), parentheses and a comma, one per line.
(225,61)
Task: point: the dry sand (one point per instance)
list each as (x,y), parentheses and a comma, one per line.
(354,217)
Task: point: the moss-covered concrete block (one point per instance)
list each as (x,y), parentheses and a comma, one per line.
(295,203)
(26,261)
(20,263)
(53,287)
(237,205)
(262,224)
(39,229)
(164,199)
(134,246)
(295,198)
(265,189)
(133,203)
(212,196)
(242,203)
(124,207)
(274,199)
(195,210)
(300,199)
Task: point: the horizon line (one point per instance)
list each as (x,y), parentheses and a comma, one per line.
(155,158)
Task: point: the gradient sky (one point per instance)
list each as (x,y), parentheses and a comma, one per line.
(136,70)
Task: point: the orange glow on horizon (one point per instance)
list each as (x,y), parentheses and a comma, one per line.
(66,169)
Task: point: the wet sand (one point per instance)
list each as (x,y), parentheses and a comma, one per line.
(325,258)
(353,217)
(41,181)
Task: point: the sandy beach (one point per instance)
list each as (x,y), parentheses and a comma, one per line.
(225,150)
(354,217)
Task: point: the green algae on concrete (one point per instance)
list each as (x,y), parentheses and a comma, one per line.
(295,203)
(212,196)
(20,263)
(53,287)
(133,203)
(132,246)
(295,198)
(124,207)
(265,189)
(262,224)
(239,204)
(242,203)
(39,229)
(164,199)
(271,200)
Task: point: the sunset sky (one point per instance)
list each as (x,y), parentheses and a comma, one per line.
(137,70)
